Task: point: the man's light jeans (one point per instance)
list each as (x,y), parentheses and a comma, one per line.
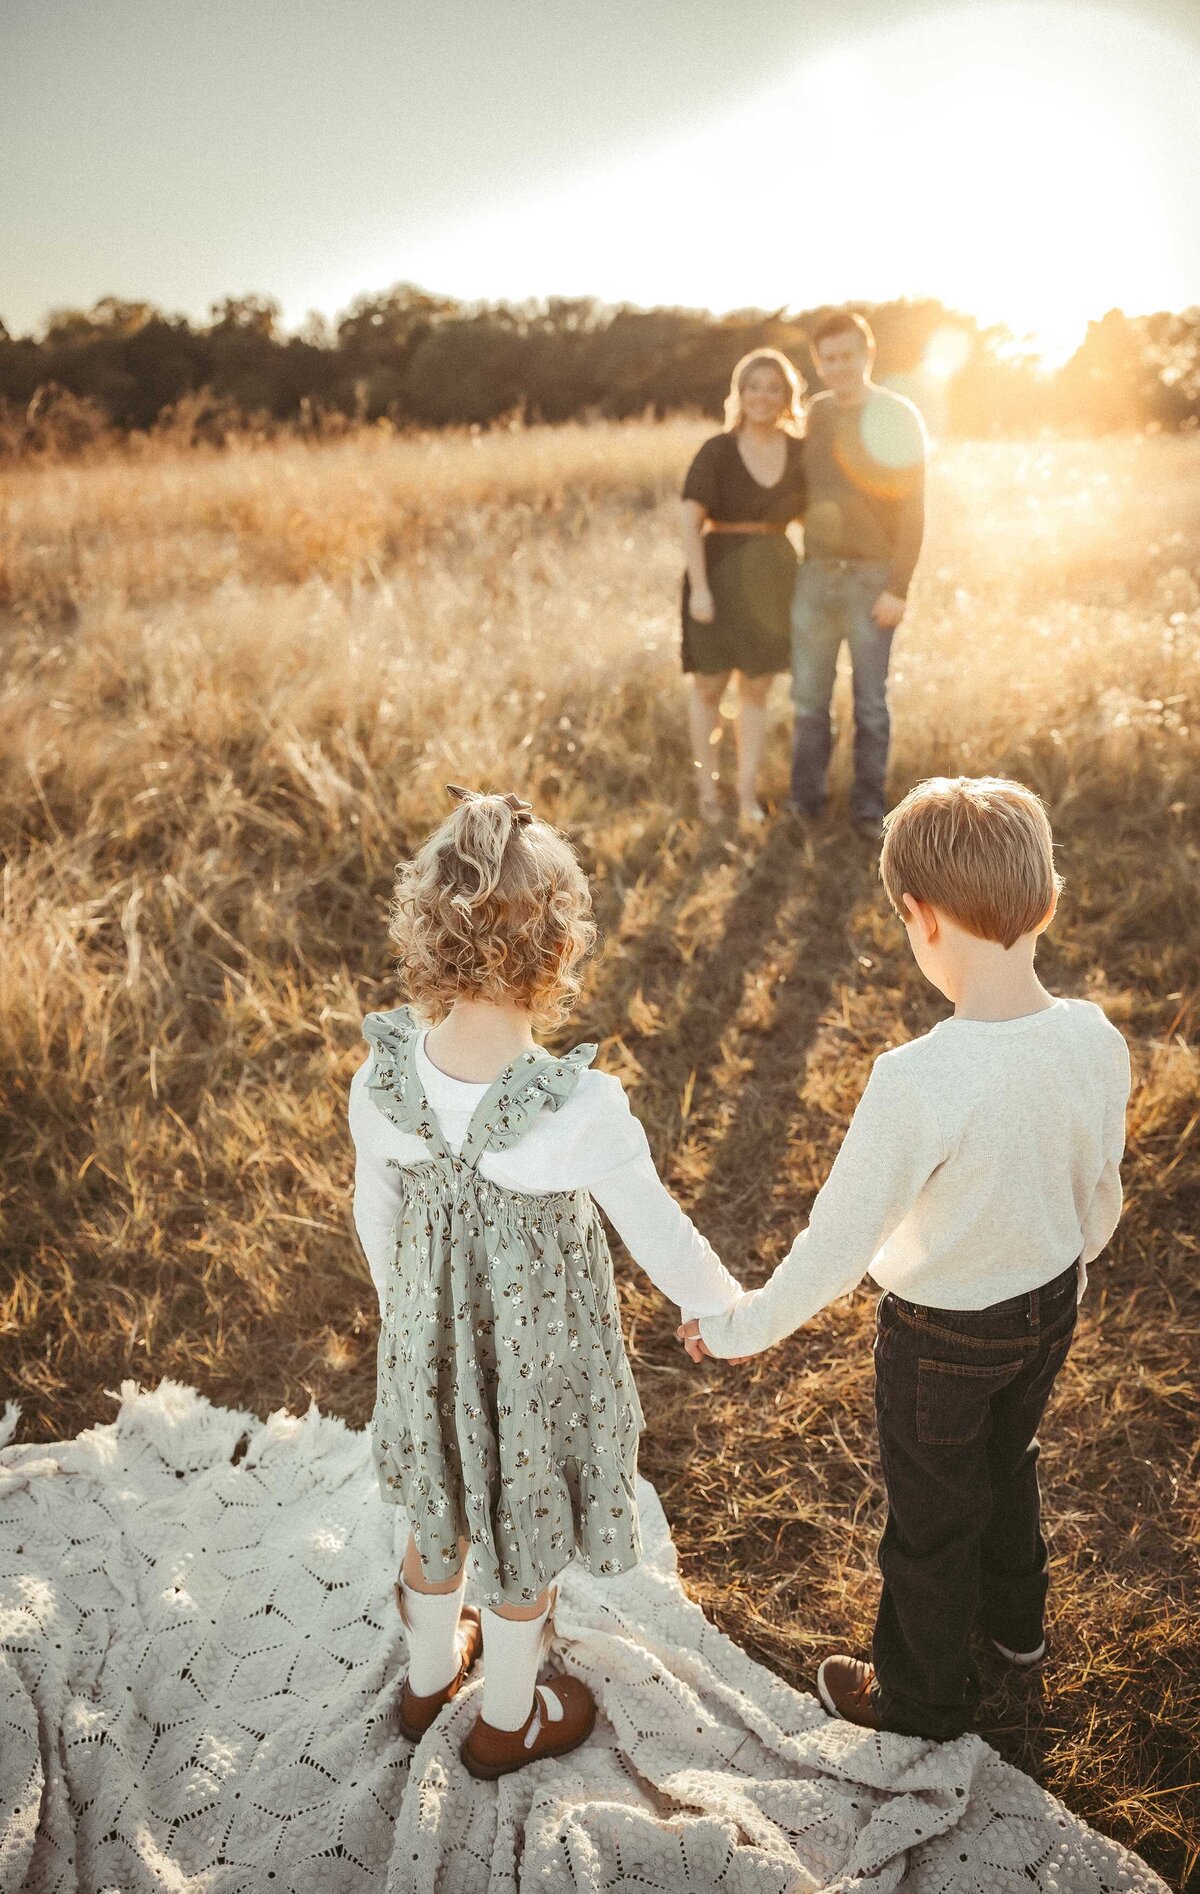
(832,602)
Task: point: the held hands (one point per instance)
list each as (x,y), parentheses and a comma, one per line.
(887,611)
(693,1342)
(694,1347)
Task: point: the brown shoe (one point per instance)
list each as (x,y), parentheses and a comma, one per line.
(847,1688)
(489,1752)
(418,1714)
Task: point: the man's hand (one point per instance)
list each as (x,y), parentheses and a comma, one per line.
(689,1334)
(887,611)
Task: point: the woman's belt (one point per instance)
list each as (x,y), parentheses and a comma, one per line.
(745,526)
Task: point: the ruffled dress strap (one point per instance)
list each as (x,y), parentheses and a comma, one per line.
(533,1083)
(394,1085)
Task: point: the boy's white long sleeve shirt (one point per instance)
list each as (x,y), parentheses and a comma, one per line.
(982,1160)
(592,1142)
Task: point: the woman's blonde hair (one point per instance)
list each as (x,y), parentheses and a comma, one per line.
(792,418)
(494,906)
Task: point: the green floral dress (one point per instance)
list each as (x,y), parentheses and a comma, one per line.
(506,1411)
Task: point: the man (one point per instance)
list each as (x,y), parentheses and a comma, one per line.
(865,462)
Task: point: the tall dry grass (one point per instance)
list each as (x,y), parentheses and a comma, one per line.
(233,686)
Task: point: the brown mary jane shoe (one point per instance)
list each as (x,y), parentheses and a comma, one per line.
(489,1752)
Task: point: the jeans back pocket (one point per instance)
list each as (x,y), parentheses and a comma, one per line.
(953,1398)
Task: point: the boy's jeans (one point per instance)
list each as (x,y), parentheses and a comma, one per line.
(832,601)
(958,1395)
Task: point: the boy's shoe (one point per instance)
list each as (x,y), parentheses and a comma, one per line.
(489,1753)
(847,1688)
(1021,1660)
(419,1714)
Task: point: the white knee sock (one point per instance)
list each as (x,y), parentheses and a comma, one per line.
(512,1652)
(432,1637)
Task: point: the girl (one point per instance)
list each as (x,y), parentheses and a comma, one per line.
(741,490)
(506,1419)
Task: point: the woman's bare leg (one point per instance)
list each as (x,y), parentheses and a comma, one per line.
(705,691)
(751,736)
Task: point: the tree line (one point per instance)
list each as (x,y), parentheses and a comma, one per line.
(420,360)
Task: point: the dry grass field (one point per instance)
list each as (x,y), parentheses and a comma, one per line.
(232,687)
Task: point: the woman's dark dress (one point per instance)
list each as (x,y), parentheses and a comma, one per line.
(751,575)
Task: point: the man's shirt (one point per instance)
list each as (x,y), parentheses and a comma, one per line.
(866,483)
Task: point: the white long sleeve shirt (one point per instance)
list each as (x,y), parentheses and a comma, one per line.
(983,1160)
(592,1142)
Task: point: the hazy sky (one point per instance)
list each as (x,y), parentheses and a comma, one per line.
(1033,160)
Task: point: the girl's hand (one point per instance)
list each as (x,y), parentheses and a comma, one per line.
(700,605)
(689,1334)
(693,1342)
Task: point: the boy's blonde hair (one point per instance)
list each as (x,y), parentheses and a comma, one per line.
(494,906)
(979,848)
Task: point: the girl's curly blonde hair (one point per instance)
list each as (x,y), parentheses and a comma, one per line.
(494,906)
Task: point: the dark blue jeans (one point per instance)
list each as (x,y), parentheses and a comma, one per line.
(832,603)
(958,1396)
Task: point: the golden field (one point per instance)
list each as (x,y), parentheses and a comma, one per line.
(233,686)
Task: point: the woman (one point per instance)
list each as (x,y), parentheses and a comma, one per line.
(741,490)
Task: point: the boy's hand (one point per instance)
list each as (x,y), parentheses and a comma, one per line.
(694,1345)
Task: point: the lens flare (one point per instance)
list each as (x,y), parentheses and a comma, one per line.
(945,353)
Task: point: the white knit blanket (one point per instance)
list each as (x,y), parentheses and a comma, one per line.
(200,1663)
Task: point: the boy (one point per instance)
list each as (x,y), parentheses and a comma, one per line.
(978,1178)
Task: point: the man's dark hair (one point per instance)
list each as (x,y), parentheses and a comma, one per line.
(842,322)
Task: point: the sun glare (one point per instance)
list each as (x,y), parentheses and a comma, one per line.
(1031,187)
(1028,164)
(945,353)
